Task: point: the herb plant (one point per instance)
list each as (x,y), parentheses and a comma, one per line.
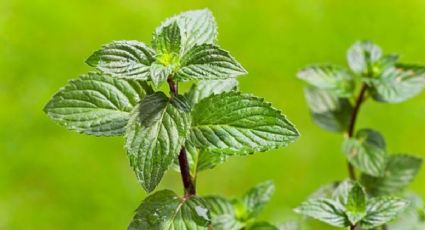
(191,131)
(376,197)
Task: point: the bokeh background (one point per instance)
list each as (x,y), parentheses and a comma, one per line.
(51,178)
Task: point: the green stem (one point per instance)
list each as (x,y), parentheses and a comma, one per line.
(188,182)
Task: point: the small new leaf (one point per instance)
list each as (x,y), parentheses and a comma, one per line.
(398,83)
(381,210)
(164,210)
(256,198)
(366,151)
(154,137)
(159,73)
(356,204)
(124,59)
(362,56)
(205,88)
(95,104)
(400,170)
(238,123)
(167,40)
(200,160)
(329,77)
(223,215)
(208,62)
(325,210)
(327,110)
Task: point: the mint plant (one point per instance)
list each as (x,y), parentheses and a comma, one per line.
(376,197)
(191,131)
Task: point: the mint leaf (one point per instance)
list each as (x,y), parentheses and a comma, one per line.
(356,204)
(197,27)
(325,210)
(205,88)
(95,104)
(257,197)
(413,216)
(398,83)
(366,151)
(238,123)
(342,192)
(154,137)
(400,170)
(167,41)
(381,210)
(329,77)
(262,226)
(200,160)
(223,215)
(164,210)
(362,56)
(159,73)
(125,59)
(327,110)
(208,62)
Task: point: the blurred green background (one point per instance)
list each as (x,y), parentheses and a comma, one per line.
(51,178)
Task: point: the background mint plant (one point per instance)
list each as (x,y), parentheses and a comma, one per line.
(376,197)
(190,131)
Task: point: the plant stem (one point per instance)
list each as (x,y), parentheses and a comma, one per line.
(351,126)
(188,182)
(352,227)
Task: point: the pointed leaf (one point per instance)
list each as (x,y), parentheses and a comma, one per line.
(327,110)
(154,138)
(167,40)
(366,151)
(400,170)
(356,204)
(362,56)
(381,210)
(197,27)
(124,59)
(200,160)
(398,83)
(332,78)
(256,198)
(164,210)
(238,123)
(159,73)
(325,210)
(95,104)
(208,62)
(206,88)
(223,216)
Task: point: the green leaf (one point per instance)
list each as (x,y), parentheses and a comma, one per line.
(164,210)
(159,73)
(154,137)
(356,204)
(206,88)
(200,160)
(366,151)
(362,56)
(327,110)
(262,226)
(342,192)
(208,62)
(329,77)
(398,83)
(381,210)
(256,198)
(197,27)
(238,123)
(400,170)
(413,216)
(124,59)
(167,40)
(223,215)
(95,104)
(325,210)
